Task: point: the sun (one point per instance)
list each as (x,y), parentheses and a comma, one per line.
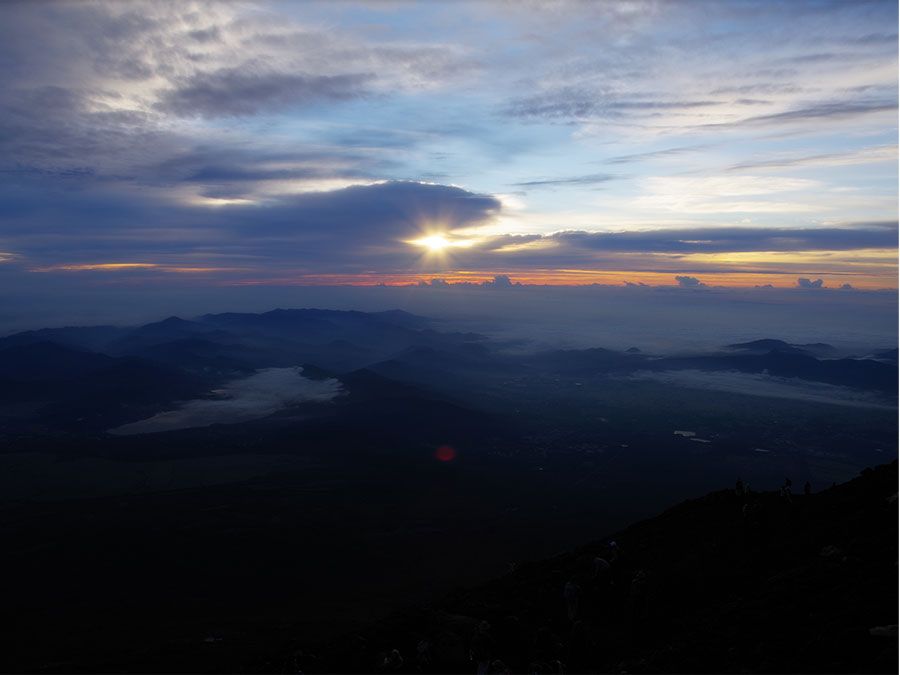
(437,243)
(434,243)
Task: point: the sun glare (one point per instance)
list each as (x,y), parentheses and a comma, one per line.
(437,242)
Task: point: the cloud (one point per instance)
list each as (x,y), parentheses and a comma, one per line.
(576,103)
(825,110)
(689,282)
(357,227)
(752,384)
(375,213)
(729,193)
(500,281)
(806,283)
(267,391)
(861,156)
(236,92)
(736,239)
(283,141)
(644,156)
(589,179)
(111,80)
(655,82)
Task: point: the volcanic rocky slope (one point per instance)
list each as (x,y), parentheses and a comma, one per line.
(753,583)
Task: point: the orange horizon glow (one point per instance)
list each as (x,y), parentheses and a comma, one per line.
(126,266)
(536,277)
(571,278)
(94,266)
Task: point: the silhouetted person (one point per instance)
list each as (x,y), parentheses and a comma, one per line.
(637,601)
(600,570)
(482,647)
(786,490)
(497,666)
(295,662)
(393,662)
(423,656)
(617,565)
(614,552)
(807,489)
(571,592)
(739,487)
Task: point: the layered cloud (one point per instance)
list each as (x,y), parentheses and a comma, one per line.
(117,88)
(235,92)
(821,64)
(404,228)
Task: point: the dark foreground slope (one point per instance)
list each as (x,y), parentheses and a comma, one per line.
(725,583)
(254,578)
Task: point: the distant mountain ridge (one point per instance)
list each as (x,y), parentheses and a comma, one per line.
(163,362)
(766,346)
(337,340)
(177,359)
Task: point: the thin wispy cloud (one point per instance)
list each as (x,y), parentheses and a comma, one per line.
(589,179)
(783,161)
(768,386)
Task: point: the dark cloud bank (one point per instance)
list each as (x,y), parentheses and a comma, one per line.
(361,227)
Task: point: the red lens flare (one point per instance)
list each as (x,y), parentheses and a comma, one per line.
(445,453)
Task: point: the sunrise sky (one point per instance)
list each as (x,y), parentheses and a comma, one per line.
(291,143)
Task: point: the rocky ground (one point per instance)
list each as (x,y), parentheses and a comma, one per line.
(757,582)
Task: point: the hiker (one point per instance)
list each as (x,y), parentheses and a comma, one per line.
(637,600)
(601,570)
(613,553)
(786,490)
(571,593)
(482,647)
(497,666)
(739,488)
(807,489)
(617,565)
(423,656)
(393,662)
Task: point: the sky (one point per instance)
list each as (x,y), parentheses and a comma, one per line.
(175,147)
